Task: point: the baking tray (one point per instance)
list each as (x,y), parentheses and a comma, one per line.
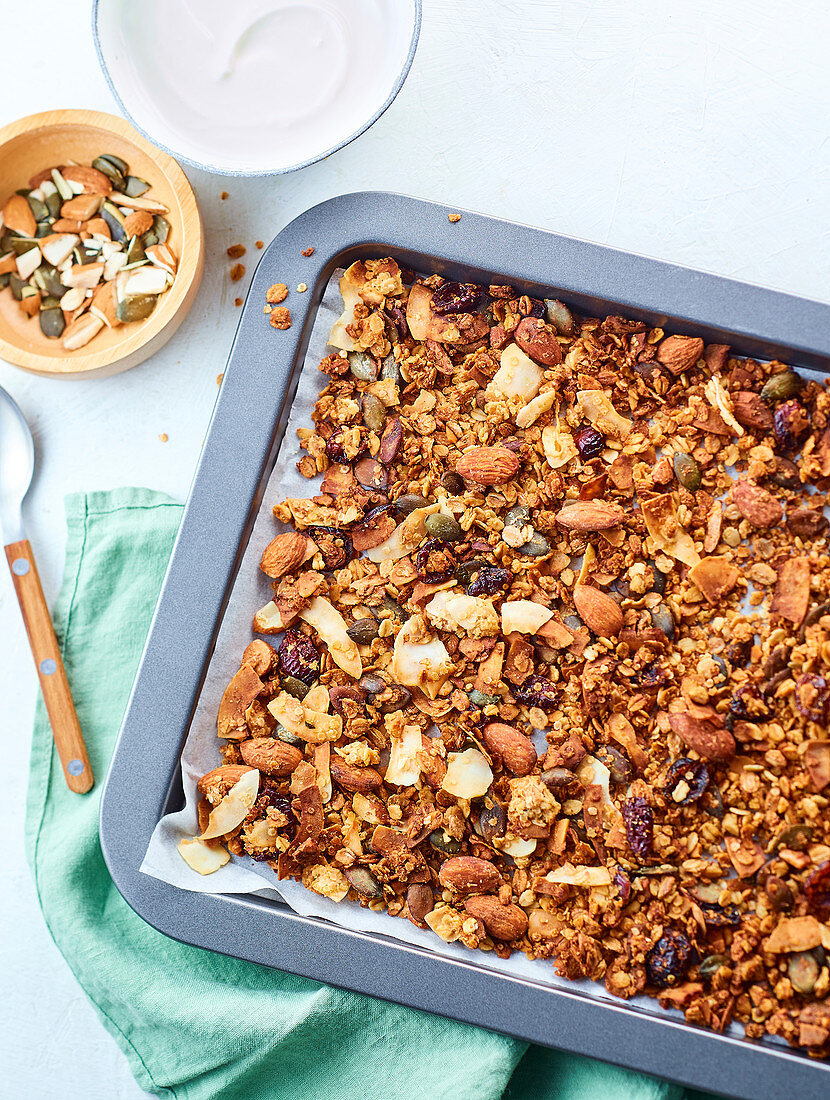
(239,453)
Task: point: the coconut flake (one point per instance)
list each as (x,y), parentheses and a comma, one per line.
(468,774)
(404,769)
(523,616)
(559,446)
(425,665)
(518,375)
(331,626)
(234,807)
(200,856)
(720,399)
(534,409)
(406,537)
(599,410)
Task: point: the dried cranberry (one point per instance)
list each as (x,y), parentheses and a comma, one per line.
(435,561)
(639,826)
(278,801)
(489,580)
(812,695)
(670,958)
(334,545)
(716,916)
(747,705)
(335,449)
(538,691)
(456,298)
(817,887)
(298,656)
(693,773)
(623,884)
(790,423)
(589,442)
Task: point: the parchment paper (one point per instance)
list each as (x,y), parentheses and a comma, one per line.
(251,591)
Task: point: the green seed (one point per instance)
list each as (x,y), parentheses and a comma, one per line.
(558,779)
(116,177)
(118,164)
(443,842)
(409,502)
(135,251)
(52,323)
(294,687)
(362,366)
(535,547)
(64,190)
(374,412)
(439,526)
(149,239)
(54,203)
(363,631)
(17,285)
(49,302)
(662,619)
(711,965)
(115,220)
(43,229)
(136,308)
(363,882)
(19,245)
(38,208)
(135,186)
(518,516)
(803,970)
(466,570)
(687,472)
(282,734)
(161,228)
(395,609)
(52,281)
(4,280)
(796,837)
(480,699)
(389,370)
(781,387)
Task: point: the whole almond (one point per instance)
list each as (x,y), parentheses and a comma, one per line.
(679,353)
(352,778)
(503,922)
(707,736)
(92,181)
(419,902)
(469,875)
(515,749)
(260,656)
(756,504)
(18,216)
(598,611)
(270,755)
(488,465)
(284,554)
(590,515)
(751,411)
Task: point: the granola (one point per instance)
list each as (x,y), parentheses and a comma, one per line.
(554,674)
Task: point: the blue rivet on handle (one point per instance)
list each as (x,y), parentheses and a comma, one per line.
(75,767)
(20,567)
(48,667)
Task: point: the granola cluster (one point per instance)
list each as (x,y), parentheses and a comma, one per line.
(554,668)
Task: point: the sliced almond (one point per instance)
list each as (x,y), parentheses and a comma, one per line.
(90,179)
(72,299)
(30,302)
(57,247)
(104,304)
(138,203)
(81,331)
(82,207)
(8,263)
(28,262)
(162,256)
(84,275)
(18,216)
(142,280)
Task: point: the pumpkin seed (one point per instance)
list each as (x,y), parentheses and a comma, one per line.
(364,882)
(518,516)
(409,502)
(687,472)
(363,631)
(723,671)
(17,285)
(443,842)
(362,366)
(389,370)
(796,837)
(19,245)
(388,604)
(372,684)
(136,308)
(4,280)
(118,164)
(573,622)
(53,204)
(439,526)
(135,251)
(558,779)
(113,174)
(492,820)
(49,302)
(52,323)
(803,970)
(619,766)
(161,228)
(38,208)
(115,220)
(282,734)
(712,964)
(559,316)
(294,687)
(466,570)
(44,229)
(781,387)
(135,186)
(535,547)
(481,699)
(150,238)
(662,619)
(64,190)
(374,412)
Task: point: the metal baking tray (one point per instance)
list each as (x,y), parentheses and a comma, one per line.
(238,455)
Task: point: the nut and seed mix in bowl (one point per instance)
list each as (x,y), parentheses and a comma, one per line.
(553,665)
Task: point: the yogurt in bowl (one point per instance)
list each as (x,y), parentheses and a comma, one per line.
(255,87)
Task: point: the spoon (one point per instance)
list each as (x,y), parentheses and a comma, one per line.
(17,465)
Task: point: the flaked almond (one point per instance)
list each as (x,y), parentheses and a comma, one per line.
(469,875)
(92,181)
(104,304)
(590,515)
(488,465)
(679,353)
(715,577)
(792,591)
(245,686)
(270,755)
(18,216)
(137,223)
(709,737)
(353,778)
(503,922)
(599,611)
(756,504)
(83,275)
(80,331)
(284,554)
(81,207)
(515,749)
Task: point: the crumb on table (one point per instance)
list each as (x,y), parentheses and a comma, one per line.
(223,195)
(259,244)
(302,288)
(278,292)
(164,437)
(237,302)
(237,272)
(280,317)
(308,251)
(454,217)
(219,378)
(236,250)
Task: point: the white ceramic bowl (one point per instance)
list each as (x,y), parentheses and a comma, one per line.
(146,65)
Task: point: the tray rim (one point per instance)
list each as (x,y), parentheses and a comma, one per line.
(203,565)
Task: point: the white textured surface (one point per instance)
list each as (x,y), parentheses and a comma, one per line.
(695,131)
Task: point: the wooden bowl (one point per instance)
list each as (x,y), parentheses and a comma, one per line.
(52,138)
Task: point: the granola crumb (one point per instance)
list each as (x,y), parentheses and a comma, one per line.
(219,378)
(302,288)
(164,437)
(223,195)
(237,302)
(236,251)
(237,272)
(276,293)
(267,309)
(259,244)
(280,317)
(454,217)
(308,251)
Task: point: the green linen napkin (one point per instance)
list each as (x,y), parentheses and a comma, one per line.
(194,1024)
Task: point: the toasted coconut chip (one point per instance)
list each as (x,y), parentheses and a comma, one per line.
(794,934)
(331,626)
(666,533)
(517,847)
(322,758)
(517,376)
(817,763)
(523,616)
(326,880)
(559,446)
(462,614)
(234,807)
(406,537)
(425,665)
(404,768)
(720,399)
(244,687)
(715,577)
(311,725)
(792,591)
(468,774)
(534,409)
(367,808)
(200,856)
(599,410)
(568,875)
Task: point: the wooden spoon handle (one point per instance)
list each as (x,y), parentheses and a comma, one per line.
(66,729)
